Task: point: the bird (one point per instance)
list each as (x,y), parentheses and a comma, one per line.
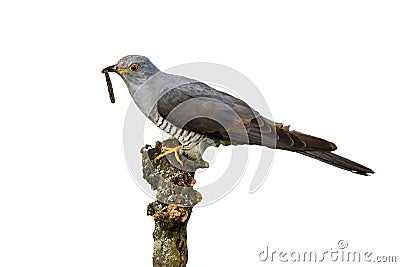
(200,116)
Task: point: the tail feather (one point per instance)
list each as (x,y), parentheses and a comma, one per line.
(295,141)
(311,146)
(338,161)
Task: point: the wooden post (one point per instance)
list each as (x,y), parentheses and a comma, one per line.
(173,207)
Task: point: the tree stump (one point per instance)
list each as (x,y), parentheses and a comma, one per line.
(173,207)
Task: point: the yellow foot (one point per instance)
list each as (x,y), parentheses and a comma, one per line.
(169,150)
(171,138)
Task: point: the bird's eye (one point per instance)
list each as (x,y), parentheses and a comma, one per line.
(134,67)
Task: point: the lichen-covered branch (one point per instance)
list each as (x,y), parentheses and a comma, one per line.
(173,207)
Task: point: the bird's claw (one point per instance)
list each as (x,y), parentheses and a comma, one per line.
(169,150)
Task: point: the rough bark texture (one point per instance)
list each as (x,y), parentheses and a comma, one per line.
(173,207)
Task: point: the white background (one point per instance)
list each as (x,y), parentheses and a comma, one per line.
(328,68)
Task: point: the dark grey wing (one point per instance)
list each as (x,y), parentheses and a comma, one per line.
(200,108)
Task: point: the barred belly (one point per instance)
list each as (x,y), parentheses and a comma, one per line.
(191,141)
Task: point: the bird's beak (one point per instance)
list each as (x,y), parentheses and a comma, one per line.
(112,68)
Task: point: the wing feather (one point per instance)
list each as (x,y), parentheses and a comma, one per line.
(200,108)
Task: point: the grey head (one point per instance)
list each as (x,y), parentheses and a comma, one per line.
(134,70)
(145,82)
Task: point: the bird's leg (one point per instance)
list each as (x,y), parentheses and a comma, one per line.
(169,150)
(171,137)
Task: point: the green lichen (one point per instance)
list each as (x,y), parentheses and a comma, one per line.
(172,210)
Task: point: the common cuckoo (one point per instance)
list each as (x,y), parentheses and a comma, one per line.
(199,116)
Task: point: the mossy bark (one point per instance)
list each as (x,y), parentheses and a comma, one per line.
(173,207)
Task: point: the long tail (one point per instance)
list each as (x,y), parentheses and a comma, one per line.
(305,144)
(338,161)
